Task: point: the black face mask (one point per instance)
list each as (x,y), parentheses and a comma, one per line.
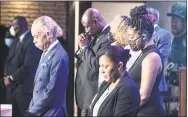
(134,46)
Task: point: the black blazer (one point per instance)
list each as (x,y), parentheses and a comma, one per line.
(86,83)
(124,100)
(22,63)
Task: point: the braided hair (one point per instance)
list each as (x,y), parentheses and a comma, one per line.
(140,20)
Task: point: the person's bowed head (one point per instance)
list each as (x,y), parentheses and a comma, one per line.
(113,63)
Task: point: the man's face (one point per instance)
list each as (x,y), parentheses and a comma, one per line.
(40,39)
(90,26)
(177,25)
(16,26)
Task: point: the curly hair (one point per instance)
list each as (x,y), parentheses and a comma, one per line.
(139,10)
(118,28)
(140,20)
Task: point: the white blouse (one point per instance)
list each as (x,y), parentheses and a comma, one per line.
(100,101)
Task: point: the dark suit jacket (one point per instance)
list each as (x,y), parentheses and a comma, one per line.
(88,69)
(22,64)
(124,100)
(163,41)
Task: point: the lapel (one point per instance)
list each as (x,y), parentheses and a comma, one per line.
(109,96)
(13,48)
(155,36)
(93,44)
(46,59)
(101,90)
(100,39)
(156,29)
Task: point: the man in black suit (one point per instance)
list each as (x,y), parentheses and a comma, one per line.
(20,67)
(91,44)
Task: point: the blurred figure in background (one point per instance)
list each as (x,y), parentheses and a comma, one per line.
(20,67)
(179,30)
(119,26)
(3,56)
(178,56)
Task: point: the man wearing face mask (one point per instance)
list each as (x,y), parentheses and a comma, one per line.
(20,67)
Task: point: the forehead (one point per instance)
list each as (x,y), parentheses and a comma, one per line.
(35,29)
(85,21)
(15,22)
(104,60)
(131,30)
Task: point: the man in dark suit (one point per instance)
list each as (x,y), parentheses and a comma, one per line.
(20,67)
(163,40)
(91,44)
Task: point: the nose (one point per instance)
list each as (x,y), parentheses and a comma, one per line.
(101,70)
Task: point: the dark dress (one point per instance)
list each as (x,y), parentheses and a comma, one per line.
(152,107)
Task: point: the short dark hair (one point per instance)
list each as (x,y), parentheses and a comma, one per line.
(22,20)
(117,54)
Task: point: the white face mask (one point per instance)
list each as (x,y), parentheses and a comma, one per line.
(12,31)
(8,41)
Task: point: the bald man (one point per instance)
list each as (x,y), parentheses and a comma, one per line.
(91,44)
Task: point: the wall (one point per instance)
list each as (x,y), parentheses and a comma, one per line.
(110,9)
(32,10)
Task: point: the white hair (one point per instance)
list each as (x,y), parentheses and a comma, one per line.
(155,12)
(47,24)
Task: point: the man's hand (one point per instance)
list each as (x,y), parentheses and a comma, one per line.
(83,40)
(7,82)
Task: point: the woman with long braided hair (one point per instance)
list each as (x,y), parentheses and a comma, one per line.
(148,68)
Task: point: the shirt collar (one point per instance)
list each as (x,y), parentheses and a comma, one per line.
(155,25)
(23,35)
(105,27)
(51,46)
